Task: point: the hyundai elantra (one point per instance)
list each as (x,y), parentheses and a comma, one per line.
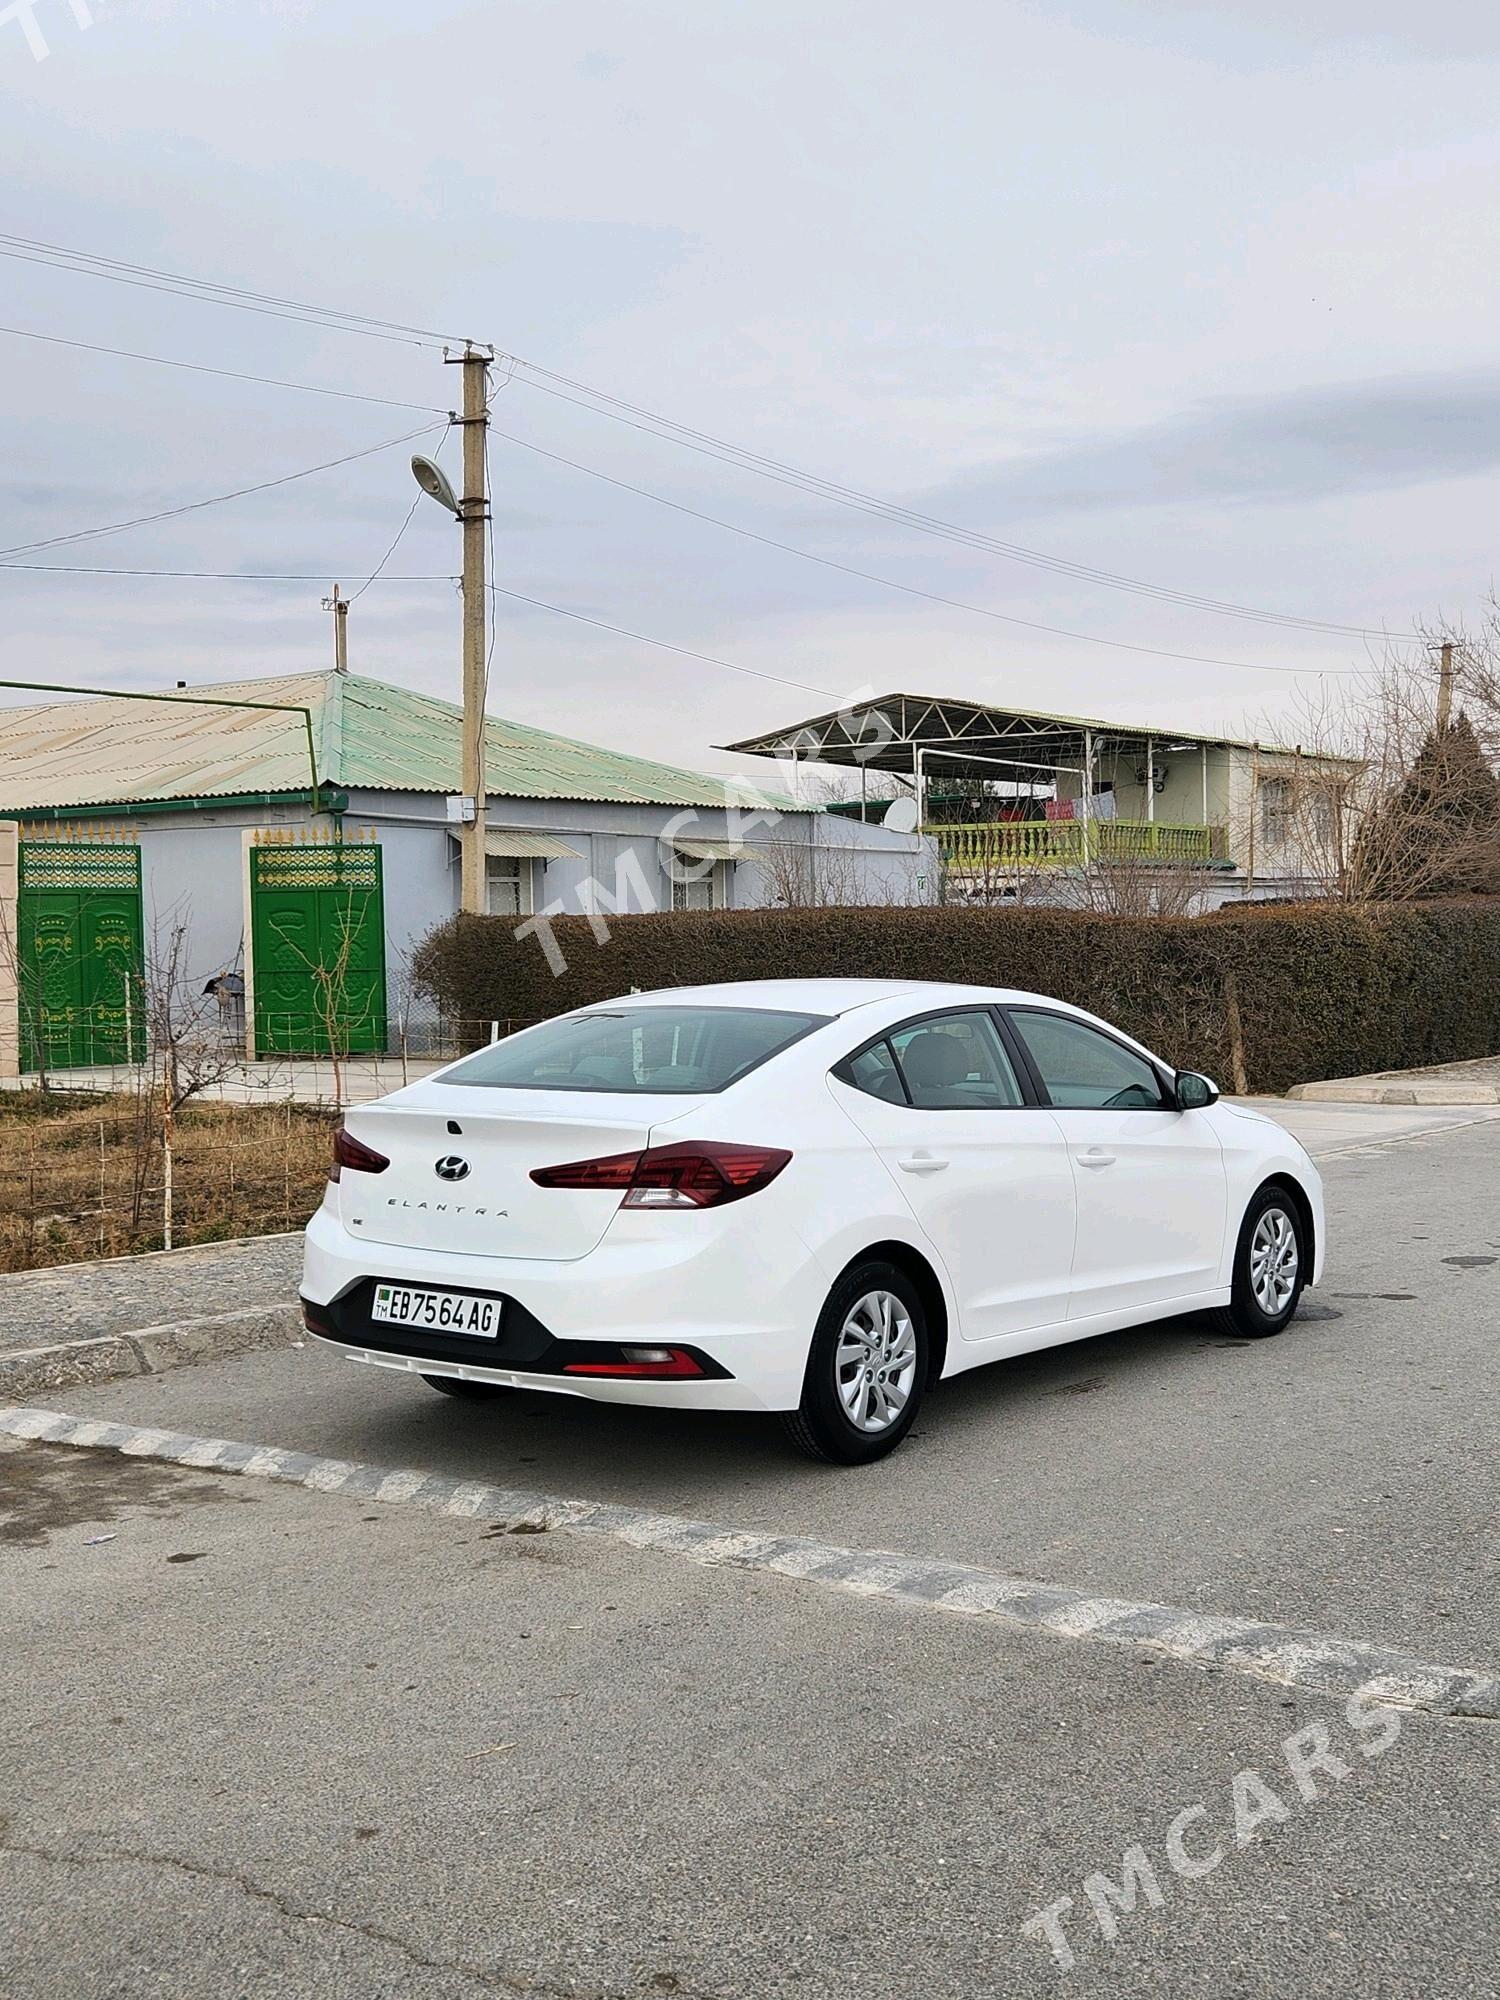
(812,1197)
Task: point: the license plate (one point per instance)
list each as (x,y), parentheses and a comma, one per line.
(443,1312)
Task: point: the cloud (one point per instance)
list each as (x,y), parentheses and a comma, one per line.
(1306,445)
(1309,445)
(1431,32)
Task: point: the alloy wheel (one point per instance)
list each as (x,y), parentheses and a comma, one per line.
(876,1363)
(1273,1262)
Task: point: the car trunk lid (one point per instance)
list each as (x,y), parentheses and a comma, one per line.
(484,1202)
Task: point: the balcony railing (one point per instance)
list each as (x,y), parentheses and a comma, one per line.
(982,848)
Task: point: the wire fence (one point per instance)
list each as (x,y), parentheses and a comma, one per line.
(104,1176)
(297,1060)
(188,1141)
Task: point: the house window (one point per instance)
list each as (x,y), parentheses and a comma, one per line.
(1275,810)
(696,884)
(1327,809)
(508,885)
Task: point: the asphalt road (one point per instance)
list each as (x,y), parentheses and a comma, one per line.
(268,1740)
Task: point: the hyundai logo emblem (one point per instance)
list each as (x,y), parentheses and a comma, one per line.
(452,1168)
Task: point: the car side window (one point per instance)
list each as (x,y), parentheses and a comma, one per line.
(956,1062)
(874,1072)
(1083,1069)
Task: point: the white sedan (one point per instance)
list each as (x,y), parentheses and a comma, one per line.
(809,1196)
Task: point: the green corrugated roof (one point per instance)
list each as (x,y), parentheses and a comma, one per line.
(370,737)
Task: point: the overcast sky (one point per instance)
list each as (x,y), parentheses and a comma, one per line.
(1203,295)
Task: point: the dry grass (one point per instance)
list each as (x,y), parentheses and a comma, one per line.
(83,1177)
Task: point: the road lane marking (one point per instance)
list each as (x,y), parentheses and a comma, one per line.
(1283,1654)
(1376,1143)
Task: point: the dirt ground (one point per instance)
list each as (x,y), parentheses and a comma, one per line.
(84,1177)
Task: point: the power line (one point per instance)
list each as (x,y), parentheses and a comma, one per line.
(519,597)
(83,266)
(215,499)
(540,604)
(489,531)
(91,263)
(726,452)
(220,575)
(210,285)
(229,374)
(374,576)
(664,645)
(400,532)
(85,263)
(910,589)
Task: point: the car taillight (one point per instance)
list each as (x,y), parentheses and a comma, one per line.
(694,1173)
(615,1171)
(349,1152)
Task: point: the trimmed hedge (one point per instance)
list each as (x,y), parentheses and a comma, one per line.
(1259,997)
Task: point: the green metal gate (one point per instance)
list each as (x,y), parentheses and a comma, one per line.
(317,948)
(82,954)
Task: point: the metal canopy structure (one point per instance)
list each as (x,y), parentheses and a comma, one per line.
(1001,789)
(1005,787)
(972,739)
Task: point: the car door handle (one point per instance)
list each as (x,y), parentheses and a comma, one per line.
(1095,1157)
(921,1163)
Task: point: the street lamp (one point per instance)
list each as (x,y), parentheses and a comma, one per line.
(436,484)
(472,512)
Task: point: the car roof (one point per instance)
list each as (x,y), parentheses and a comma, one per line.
(814,996)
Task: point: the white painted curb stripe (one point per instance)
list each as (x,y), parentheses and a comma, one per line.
(1277,1653)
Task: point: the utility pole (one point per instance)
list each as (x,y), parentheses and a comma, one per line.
(474,421)
(338,604)
(1445,686)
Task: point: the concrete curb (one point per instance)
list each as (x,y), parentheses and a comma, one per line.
(1286,1655)
(1386,1090)
(147,1350)
(183,1253)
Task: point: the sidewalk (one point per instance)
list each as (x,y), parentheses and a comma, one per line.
(1474,1082)
(79,1323)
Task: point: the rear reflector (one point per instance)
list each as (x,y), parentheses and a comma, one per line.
(349,1152)
(650,1364)
(694,1173)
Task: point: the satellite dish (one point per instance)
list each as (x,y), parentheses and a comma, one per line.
(901,816)
(434,481)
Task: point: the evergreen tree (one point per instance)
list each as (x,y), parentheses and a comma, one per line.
(1439,833)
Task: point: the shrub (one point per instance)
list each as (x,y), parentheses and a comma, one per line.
(1260,997)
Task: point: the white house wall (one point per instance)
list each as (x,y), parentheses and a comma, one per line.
(191,876)
(619,852)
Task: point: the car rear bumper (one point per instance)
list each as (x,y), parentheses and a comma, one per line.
(745,1307)
(707,1393)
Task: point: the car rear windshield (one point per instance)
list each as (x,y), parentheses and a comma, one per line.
(675,1050)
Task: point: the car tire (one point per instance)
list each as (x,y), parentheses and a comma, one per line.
(466,1392)
(1270,1268)
(866,1368)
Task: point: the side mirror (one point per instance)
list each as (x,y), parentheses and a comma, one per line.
(1194,1092)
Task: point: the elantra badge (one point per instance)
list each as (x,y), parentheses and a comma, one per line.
(452,1168)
